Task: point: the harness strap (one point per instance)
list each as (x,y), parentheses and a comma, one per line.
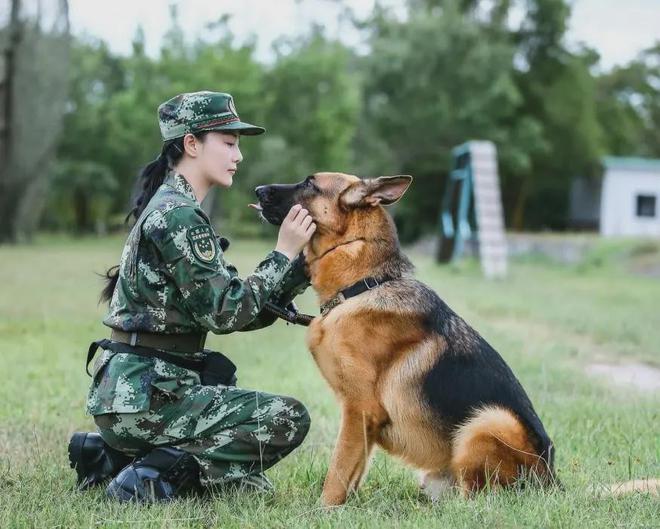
(289,314)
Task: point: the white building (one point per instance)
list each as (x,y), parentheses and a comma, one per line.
(625,202)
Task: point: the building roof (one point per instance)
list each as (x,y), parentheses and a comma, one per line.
(631,163)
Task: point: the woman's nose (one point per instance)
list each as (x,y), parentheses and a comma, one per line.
(239,157)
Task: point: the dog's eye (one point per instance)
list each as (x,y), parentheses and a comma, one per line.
(309,182)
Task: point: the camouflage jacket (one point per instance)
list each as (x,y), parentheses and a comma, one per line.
(173,278)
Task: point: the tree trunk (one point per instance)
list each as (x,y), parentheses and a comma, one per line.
(81,210)
(9,188)
(518,217)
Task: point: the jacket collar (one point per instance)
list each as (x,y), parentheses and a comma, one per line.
(180,184)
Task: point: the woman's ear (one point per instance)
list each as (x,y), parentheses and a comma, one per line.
(384,190)
(190,145)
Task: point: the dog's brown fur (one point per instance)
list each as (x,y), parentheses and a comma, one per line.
(375,350)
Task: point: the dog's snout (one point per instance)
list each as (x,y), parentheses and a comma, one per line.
(276,200)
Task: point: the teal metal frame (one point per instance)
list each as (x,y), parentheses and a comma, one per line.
(456,208)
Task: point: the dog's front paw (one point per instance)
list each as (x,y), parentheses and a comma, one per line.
(333,498)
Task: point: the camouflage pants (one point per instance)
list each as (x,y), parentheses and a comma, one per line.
(232,433)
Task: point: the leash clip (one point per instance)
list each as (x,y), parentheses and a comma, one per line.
(366,282)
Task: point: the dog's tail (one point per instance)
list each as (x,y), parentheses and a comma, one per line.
(645,486)
(494,448)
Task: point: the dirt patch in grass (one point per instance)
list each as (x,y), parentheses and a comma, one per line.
(595,358)
(640,376)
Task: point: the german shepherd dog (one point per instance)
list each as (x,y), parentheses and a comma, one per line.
(410,375)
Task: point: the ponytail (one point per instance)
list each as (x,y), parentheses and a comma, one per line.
(111,277)
(152,177)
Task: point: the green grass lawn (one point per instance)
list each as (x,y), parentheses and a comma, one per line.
(547,321)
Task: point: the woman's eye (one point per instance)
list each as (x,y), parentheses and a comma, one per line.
(230,144)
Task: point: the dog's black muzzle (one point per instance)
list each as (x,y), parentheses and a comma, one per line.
(276,200)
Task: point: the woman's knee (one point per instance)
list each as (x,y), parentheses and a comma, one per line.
(299,415)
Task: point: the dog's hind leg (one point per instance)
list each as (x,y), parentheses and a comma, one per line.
(436,485)
(360,427)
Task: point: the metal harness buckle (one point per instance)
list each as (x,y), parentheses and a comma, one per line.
(133,339)
(366,282)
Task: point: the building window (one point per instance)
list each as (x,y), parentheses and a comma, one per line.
(646,205)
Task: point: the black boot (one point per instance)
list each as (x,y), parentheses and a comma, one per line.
(162,475)
(93,460)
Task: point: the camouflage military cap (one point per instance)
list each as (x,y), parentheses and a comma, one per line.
(196,111)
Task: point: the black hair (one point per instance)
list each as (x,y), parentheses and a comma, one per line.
(151,177)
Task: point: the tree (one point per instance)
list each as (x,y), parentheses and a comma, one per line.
(433,81)
(559,93)
(81,193)
(629,106)
(33,82)
(313,103)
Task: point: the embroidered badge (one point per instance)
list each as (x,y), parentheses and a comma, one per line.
(202,242)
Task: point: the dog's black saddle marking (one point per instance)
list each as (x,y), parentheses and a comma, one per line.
(471,374)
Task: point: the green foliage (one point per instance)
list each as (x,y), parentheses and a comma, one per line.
(82,194)
(629,106)
(560,94)
(432,82)
(313,105)
(446,72)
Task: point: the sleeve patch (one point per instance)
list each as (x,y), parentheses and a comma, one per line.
(202,242)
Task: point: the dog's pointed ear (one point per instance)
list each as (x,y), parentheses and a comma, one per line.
(383,190)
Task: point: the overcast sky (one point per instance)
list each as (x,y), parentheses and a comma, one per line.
(617,29)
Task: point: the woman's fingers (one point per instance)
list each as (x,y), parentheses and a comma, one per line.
(306,222)
(300,216)
(293,212)
(299,219)
(296,231)
(295,216)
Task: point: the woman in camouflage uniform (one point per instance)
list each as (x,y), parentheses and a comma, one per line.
(164,430)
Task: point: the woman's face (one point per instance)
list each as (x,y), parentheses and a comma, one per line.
(219,156)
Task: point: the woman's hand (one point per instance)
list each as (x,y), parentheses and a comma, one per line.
(295,232)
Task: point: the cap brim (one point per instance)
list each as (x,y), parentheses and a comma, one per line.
(244,129)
